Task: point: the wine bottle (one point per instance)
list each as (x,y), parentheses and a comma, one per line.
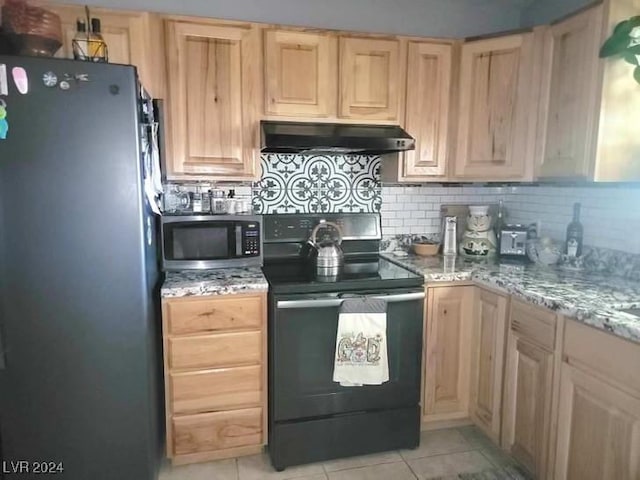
(98,48)
(81,41)
(573,245)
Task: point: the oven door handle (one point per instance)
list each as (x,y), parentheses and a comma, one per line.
(336,302)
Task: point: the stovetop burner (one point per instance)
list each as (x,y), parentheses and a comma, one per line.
(287,270)
(361,272)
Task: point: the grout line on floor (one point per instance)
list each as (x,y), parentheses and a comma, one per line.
(471,448)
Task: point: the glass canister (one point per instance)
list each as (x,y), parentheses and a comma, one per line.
(218,202)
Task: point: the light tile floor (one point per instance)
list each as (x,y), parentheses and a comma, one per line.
(459,453)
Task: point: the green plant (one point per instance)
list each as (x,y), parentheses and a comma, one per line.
(625,42)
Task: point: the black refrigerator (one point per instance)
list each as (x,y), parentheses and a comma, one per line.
(80,363)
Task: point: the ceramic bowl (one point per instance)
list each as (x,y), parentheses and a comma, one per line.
(426,249)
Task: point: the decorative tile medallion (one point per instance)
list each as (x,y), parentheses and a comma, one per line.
(318,183)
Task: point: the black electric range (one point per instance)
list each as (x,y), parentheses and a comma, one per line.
(311,417)
(287,270)
(369,272)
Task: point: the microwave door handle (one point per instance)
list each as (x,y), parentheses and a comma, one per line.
(238,240)
(336,302)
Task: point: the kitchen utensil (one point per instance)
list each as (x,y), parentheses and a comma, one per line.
(326,256)
(449,238)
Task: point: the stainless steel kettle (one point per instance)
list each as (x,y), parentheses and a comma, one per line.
(326,257)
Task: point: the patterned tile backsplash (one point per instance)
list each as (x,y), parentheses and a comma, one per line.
(318,183)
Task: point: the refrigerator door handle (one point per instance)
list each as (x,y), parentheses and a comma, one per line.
(3,361)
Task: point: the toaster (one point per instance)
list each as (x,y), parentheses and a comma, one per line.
(512,242)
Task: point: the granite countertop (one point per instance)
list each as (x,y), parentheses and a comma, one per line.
(589,298)
(225,281)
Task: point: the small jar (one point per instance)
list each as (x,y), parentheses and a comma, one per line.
(218,202)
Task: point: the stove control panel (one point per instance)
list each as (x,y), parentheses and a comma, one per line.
(297,228)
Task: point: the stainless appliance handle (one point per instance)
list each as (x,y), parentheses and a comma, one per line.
(3,360)
(335,302)
(238,240)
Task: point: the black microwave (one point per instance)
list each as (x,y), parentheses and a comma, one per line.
(200,242)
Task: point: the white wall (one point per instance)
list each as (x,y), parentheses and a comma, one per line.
(610,215)
(438,18)
(416,210)
(546,11)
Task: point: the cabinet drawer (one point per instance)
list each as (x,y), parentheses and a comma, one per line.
(216,389)
(534,323)
(222,350)
(615,359)
(217,431)
(213,314)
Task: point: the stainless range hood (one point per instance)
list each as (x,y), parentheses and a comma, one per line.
(333,138)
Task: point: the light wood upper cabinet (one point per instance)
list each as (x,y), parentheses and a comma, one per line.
(214,96)
(301,73)
(427,110)
(369,79)
(569,103)
(528,385)
(447,353)
(487,360)
(132,38)
(496,118)
(588,106)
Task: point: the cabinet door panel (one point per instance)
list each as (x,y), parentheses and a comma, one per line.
(300,73)
(427,109)
(569,103)
(217,431)
(598,429)
(488,360)
(447,350)
(132,38)
(213,351)
(496,124)
(219,389)
(212,95)
(527,402)
(369,78)
(211,315)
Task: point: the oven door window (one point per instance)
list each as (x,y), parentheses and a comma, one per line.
(302,354)
(193,241)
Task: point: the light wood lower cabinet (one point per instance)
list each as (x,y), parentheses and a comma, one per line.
(487,360)
(446,355)
(208,432)
(215,376)
(598,433)
(528,385)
